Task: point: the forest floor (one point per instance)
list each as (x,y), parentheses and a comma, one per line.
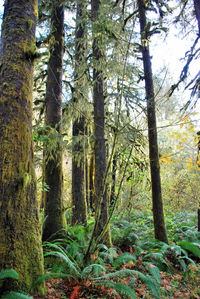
(172,285)
(157,270)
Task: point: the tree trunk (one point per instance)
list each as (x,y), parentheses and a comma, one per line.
(87,171)
(113,185)
(197,12)
(91,182)
(55,221)
(158,214)
(79,211)
(20,229)
(101,192)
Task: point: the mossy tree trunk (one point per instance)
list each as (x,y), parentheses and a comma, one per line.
(101,190)
(197,14)
(91,182)
(113,184)
(55,222)
(79,210)
(20,229)
(158,214)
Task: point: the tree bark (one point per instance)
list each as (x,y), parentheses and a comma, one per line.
(197,12)
(79,210)
(20,229)
(113,185)
(101,192)
(91,182)
(158,214)
(55,222)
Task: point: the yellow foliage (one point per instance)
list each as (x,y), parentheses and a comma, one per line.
(184,139)
(166,159)
(179,147)
(179,159)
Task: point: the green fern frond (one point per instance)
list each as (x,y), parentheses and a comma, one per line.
(15,295)
(107,253)
(116,274)
(188,259)
(73,267)
(151,283)
(120,288)
(157,259)
(191,247)
(154,271)
(183,265)
(123,259)
(148,280)
(8,273)
(63,251)
(102,247)
(94,269)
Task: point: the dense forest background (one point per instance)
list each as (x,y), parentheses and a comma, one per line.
(99,149)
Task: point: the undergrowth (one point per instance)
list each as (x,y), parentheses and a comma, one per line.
(136,258)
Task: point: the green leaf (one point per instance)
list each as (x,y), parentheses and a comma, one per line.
(151,283)
(154,271)
(120,273)
(72,266)
(95,269)
(123,259)
(121,288)
(189,246)
(15,295)
(9,273)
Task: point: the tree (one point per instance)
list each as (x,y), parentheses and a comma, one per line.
(101,192)
(197,13)
(158,214)
(79,210)
(54,209)
(20,229)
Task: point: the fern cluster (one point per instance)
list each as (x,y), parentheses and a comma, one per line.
(10,273)
(97,272)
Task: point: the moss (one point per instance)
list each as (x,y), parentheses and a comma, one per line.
(20,230)
(27,178)
(30,48)
(35,8)
(29,23)
(5,84)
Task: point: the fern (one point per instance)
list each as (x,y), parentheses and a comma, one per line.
(94,269)
(157,259)
(107,254)
(151,283)
(154,271)
(148,280)
(8,273)
(120,288)
(15,295)
(73,267)
(191,247)
(123,259)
